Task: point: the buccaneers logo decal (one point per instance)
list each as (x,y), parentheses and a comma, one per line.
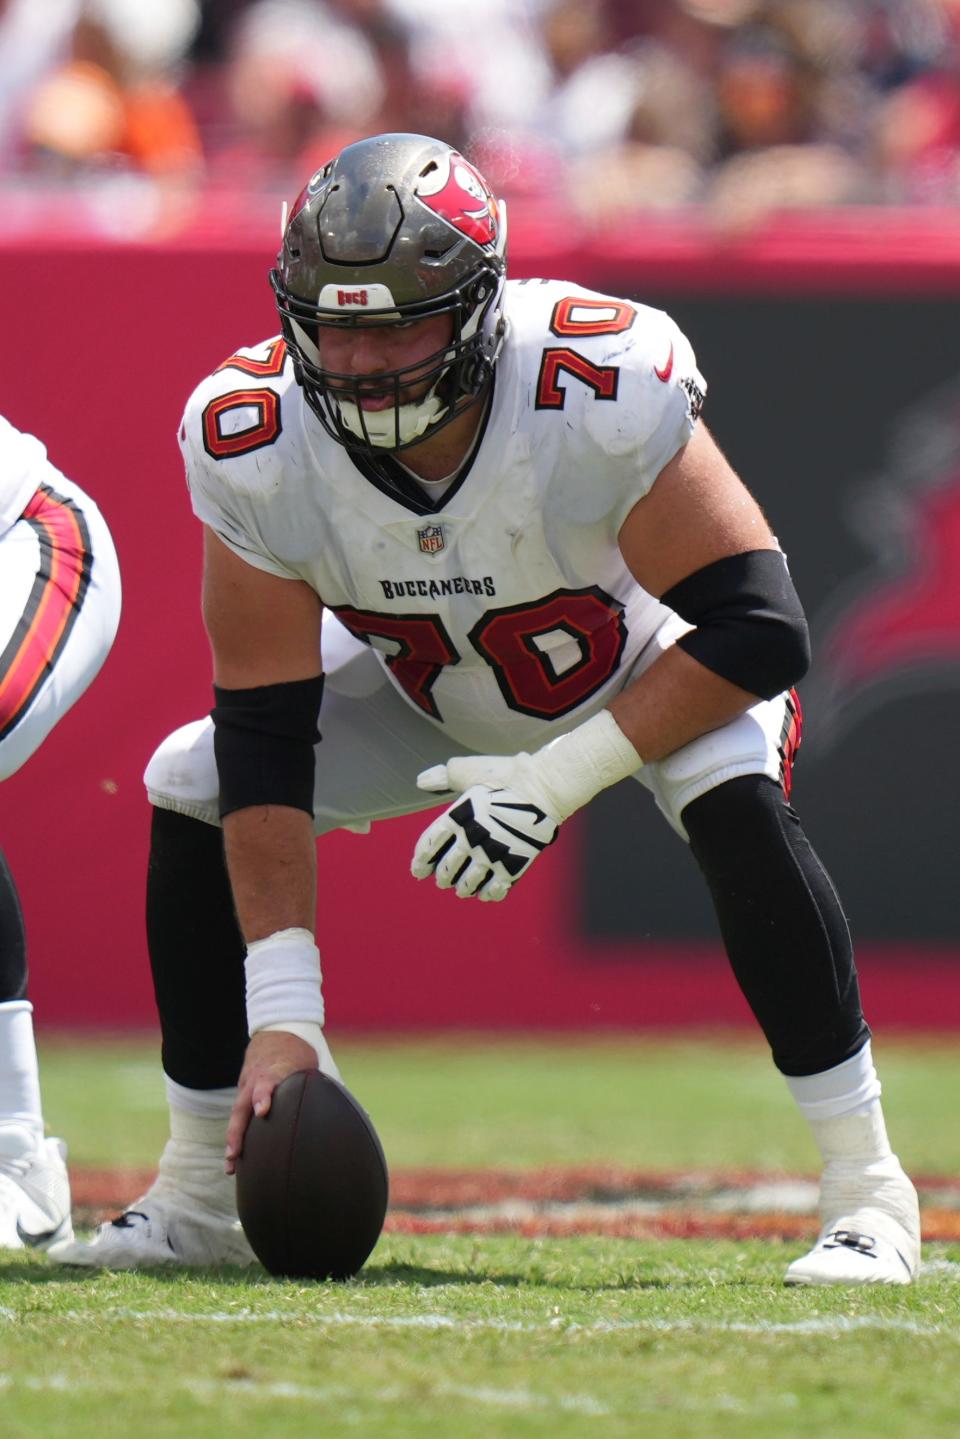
(459,196)
(895,629)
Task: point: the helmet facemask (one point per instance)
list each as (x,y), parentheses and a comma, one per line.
(365,248)
(453,375)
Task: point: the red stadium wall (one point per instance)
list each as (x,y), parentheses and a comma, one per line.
(102,343)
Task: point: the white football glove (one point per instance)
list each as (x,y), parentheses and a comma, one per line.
(512,805)
(484,842)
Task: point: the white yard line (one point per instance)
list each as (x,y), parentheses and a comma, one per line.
(836,1325)
(786,1196)
(218,1389)
(396,1394)
(941,1269)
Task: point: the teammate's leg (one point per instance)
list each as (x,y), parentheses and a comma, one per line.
(19,1075)
(790,949)
(34,1189)
(60,601)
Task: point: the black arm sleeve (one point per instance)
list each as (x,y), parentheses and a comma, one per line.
(263,741)
(750,625)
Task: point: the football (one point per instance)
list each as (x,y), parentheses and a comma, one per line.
(312,1181)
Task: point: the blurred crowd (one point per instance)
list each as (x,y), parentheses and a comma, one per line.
(607,107)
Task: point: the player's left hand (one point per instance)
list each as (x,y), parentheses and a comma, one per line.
(483,843)
(271,1055)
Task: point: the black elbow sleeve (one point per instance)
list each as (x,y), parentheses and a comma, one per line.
(750,625)
(263,742)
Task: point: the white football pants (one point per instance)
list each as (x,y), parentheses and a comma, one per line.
(59,611)
(375,744)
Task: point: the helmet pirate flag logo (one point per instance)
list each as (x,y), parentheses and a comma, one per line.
(895,629)
(459,195)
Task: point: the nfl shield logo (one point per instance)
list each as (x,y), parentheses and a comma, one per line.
(431,539)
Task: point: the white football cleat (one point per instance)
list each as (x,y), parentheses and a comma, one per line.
(34,1190)
(873,1234)
(157,1232)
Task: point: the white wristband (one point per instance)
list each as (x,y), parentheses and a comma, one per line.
(578,765)
(283,980)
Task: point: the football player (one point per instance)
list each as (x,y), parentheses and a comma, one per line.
(494,511)
(59,611)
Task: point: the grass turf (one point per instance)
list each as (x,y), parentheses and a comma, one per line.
(488,1336)
(481,1338)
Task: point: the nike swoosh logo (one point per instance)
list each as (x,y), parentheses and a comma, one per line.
(667,370)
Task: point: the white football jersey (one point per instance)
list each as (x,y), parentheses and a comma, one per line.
(23,468)
(505,606)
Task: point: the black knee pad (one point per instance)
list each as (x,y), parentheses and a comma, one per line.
(782,923)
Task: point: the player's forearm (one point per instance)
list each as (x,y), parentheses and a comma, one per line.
(673,702)
(271,859)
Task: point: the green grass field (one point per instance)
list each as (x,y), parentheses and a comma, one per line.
(488,1335)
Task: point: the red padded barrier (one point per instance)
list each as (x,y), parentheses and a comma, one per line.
(100,345)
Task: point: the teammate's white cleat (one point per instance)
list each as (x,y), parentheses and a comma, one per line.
(872,1234)
(34,1190)
(156,1232)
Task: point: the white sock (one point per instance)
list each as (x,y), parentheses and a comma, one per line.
(19,1073)
(191,1165)
(842,1107)
(849,1088)
(855,1138)
(204,1103)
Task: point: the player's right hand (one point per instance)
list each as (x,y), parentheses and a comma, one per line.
(271,1056)
(483,843)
